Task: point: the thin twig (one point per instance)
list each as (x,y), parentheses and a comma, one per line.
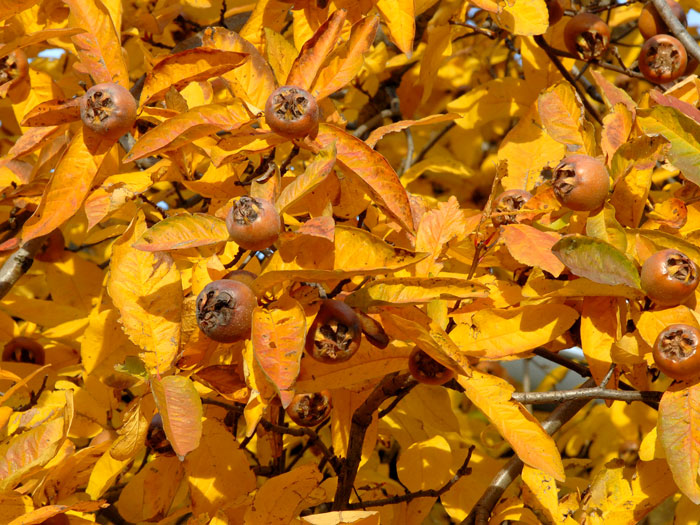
(464,470)
(480,513)
(565,73)
(677,28)
(557,396)
(434,140)
(559,359)
(408,159)
(18,264)
(371,123)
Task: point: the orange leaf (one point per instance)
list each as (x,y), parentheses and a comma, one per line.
(53,112)
(183,231)
(315,51)
(278,343)
(32,140)
(181,409)
(399,18)
(532,247)
(11,7)
(314,174)
(379,179)
(395,127)
(679,432)
(222,378)
(66,190)
(99,48)
(183,129)
(613,94)
(346,61)
(436,229)
(492,395)
(192,65)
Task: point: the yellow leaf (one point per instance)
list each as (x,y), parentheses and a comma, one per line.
(414,290)
(132,433)
(492,395)
(344,517)
(544,490)
(436,229)
(496,333)
(277,500)
(147,289)
(426,464)
(183,231)
(524,17)
(13,505)
(561,111)
(598,333)
(505,98)
(399,18)
(181,409)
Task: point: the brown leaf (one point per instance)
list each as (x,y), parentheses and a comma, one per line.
(53,113)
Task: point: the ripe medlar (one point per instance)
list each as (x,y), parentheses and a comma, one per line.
(13,66)
(427,370)
(506,206)
(335,333)
(663,59)
(308,410)
(587,36)
(555,11)
(676,352)
(292,112)
(224,310)
(23,350)
(650,22)
(581,183)
(669,277)
(373,330)
(108,109)
(253,223)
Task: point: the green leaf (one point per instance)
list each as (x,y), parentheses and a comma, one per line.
(596,260)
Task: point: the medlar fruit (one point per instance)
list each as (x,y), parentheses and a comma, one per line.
(23,350)
(662,59)
(13,66)
(669,277)
(373,330)
(224,310)
(650,22)
(427,370)
(108,109)
(507,204)
(292,112)
(581,183)
(253,223)
(587,36)
(676,352)
(308,410)
(335,333)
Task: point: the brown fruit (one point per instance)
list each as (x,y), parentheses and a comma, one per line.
(243,276)
(676,352)
(308,410)
(53,247)
(427,370)
(555,11)
(507,204)
(669,277)
(24,350)
(224,310)
(292,112)
(587,36)
(13,66)
(581,183)
(663,59)
(253,223)
(335,333)
(156,439)
(108,109)
(650,22)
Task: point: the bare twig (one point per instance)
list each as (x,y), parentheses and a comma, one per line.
(677,28)
(559,359)
(430,493)
(18,264)
(565,73)
(408,159)
(371,123)
(479,515)
(390,386)
(540,398)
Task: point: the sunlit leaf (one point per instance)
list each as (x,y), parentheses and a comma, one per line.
(181,409)
(183,231)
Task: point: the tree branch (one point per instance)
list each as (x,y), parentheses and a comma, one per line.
(677,28)
(539,398)
(479,515)
(390,386)
(18,264)
(429,493)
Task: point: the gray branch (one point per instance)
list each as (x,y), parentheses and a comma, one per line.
(539,398)
(18,264)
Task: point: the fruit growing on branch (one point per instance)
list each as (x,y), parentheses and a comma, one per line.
(23,350)
(253,223)
(225,310)
(669,277)
(555,11)
(676,352)
(663,59)
(650,22)
(13,66)
(308,410)
(581,183)
(427,370)
(587,36)
(506,206)
(108,109)
(335,333)
(292,112)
